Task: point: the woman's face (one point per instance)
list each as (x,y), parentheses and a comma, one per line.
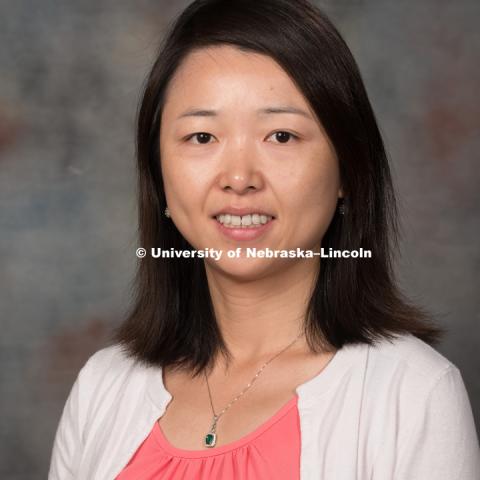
(237,136)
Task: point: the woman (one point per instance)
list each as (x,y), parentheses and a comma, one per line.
(255,132)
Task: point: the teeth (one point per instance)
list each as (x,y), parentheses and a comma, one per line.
(245,221)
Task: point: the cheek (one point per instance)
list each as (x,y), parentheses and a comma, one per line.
(188,208)
(312,192)
(180,177)
(321,190)
(313,184)
(177,180)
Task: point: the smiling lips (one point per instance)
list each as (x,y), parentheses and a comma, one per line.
(244,221)
(245,227)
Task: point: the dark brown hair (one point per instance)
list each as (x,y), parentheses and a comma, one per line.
(171,322)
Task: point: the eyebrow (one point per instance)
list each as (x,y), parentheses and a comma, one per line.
(199,112)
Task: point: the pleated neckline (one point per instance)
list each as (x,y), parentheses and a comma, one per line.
(164,443)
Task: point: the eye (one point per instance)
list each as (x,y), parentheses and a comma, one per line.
(202,137)
(283,136)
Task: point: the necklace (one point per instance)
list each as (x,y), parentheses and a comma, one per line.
(211,437)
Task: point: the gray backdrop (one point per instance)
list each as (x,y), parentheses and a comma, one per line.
(71,74)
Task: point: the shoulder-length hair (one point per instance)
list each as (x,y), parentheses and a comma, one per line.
(171,321)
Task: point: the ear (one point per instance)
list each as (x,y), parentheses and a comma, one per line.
(340,193)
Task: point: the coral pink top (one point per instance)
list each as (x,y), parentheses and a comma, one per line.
(270,451)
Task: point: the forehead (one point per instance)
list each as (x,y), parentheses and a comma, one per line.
(227,59)
(226,71)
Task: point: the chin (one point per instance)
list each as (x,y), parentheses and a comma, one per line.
(246,269)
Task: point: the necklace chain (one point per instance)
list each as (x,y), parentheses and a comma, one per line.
(210,438)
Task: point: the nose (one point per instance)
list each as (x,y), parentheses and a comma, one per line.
(240,169)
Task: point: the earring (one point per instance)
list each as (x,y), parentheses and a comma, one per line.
(342,208)
(167,212)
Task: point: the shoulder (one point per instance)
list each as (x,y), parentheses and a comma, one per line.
(104,379)
(401,376)
(406,378)
(410,355)
(110,363)
(108,357)
(107,376)
(416,401)
(109,372)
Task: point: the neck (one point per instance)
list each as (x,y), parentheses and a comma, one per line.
(259,318)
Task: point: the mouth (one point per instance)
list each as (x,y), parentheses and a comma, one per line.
(248,221)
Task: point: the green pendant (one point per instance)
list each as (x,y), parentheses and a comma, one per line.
(210,439)
(211,436)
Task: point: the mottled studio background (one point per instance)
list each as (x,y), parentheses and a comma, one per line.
(70,77)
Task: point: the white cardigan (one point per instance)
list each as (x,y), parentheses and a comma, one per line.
(396,411)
